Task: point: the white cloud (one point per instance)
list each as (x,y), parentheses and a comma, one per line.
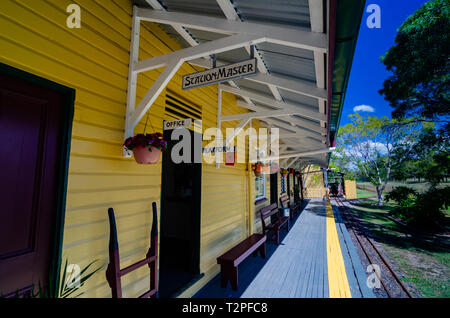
(363,108)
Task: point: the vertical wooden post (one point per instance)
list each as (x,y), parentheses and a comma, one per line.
(113,270)
(153,251)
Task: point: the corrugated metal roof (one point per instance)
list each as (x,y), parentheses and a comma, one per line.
(282,61)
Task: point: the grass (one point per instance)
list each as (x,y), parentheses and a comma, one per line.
(362,194)
(418,186)
(423,261)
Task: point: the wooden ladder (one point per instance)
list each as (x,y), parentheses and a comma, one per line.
(114,273)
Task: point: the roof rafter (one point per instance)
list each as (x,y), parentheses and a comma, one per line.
(280,35)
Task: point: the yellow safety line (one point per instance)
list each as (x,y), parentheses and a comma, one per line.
(337,278)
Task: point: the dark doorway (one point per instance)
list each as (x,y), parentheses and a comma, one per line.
(35,125)
(274,188)
(180,219)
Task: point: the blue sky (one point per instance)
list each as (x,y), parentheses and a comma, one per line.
(368,73)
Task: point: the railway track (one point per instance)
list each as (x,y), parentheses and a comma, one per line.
(391,284)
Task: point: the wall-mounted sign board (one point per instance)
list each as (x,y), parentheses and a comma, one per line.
(180,123)
(220,149)
(220,74)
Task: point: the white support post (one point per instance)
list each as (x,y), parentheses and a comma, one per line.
(132,77)
(219,124)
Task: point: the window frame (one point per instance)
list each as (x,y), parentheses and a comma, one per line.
(264,195)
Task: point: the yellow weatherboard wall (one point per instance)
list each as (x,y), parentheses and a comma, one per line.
(350,189)
(94,61)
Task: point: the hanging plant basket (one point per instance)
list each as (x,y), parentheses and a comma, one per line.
(144,155)
(284,172)
(146,148)
(259,169)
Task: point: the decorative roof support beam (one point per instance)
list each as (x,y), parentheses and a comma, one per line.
(181,31)
(301,154)
(306,111)
(295,86)
(274,34)
(231,14)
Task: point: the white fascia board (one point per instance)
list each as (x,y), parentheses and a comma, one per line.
(274,34)
(201,50)
(303,110)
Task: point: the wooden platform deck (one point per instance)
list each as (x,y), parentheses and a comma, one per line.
(299,267)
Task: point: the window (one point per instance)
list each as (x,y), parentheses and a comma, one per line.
(260,186)
(283,184)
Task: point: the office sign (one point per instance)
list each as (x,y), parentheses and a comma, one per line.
(220,74)
(181,123)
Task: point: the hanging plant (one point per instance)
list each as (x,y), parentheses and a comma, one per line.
(146,147)
(291,171)
(259,169)
(284,172)
(298,174)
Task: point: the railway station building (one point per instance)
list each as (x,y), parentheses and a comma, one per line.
(79,77)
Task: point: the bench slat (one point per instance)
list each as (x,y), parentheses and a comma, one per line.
(241,251)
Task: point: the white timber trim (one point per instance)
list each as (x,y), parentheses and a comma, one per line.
(296,86)
(274,34)
(317,26)
(181,30)
(301,154)
(306,110)
(212,47)
(132,78)
(230,13)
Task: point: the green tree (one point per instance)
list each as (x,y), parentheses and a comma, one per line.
(420,66)
(368,143)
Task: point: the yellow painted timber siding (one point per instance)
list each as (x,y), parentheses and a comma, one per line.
(315,187)
(350,189)
(94,61)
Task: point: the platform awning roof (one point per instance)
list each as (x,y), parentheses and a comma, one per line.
(297,67)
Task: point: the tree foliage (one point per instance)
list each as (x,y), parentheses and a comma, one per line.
(420,65)
(367,146)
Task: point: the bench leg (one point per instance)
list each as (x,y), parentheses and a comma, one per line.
(287,226)
(223,276)
(262,250)
(234,278)
(229,273)
(278,236)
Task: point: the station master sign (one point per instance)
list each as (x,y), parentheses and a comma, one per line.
(220,74)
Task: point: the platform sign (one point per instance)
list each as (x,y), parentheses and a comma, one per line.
(220,74)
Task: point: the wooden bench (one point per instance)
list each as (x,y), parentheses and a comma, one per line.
(269,211)
(285,203)
(231,259)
